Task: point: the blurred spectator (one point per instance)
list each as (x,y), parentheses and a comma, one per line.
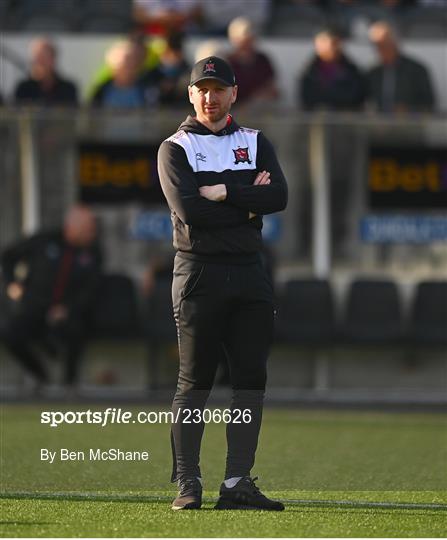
(160,17)
(331,80)
(398,83)
(129,87)
(51,279)
(45,86)
(254,72)
(173,72)
(217,15)
(150,52)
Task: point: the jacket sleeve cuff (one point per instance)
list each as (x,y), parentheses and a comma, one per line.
(232,193)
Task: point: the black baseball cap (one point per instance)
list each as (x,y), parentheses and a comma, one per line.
(212,67)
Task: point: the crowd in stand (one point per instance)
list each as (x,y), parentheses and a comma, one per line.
(149,68)
(142,73)
(200,17)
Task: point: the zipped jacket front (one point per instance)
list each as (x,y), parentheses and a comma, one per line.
(195,156)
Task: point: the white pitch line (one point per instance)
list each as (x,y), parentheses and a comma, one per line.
(148,498)
(368,504)
(82,495)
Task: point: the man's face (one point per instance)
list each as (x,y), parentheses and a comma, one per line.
(382,37)
(327,47)
(42,61)
(127,67)
(244,42)
(80,227)
(212,100)
(386,49)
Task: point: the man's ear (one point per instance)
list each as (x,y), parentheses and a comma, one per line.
(190,90)
(234,94)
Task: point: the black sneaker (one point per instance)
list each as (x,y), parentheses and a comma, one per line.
(189,496)
(245,495)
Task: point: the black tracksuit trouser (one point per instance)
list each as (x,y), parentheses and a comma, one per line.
(229,306)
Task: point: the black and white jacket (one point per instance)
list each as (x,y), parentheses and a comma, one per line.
(195,156)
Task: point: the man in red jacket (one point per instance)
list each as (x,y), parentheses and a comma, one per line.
(51,280)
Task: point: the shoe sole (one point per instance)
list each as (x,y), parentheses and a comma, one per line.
(230,505)
(189,506)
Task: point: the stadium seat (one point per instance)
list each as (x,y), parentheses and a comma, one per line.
(5,12)
(43,15)
(373,313)
(105,16)
(306,312)
(159,325)
(306,317)
(45,23)
(4,308)
(425,23)
(104,25)
(428,318)
(296,20)
(116,314)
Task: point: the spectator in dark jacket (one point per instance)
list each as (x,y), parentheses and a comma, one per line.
(173,72)
(331,80)
(398,83)
(45,86)
(51,280)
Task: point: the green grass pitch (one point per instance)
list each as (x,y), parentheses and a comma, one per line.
(346,474)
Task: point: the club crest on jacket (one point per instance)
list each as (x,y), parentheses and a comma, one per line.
(241,155)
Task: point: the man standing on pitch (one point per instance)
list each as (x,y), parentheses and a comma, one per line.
(219,179)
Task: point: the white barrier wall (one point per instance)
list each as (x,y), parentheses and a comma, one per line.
(81,55)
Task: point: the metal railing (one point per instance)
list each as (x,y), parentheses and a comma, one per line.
(324,157)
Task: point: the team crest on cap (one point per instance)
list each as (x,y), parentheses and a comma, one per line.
(241,155)
(209,68)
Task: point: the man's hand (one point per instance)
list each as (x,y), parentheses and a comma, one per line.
(15,291)
(215,193)
(262,179)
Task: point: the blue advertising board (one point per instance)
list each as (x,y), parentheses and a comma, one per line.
(399,229)
(156,225)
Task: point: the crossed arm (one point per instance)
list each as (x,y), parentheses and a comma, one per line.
(203,206)
(218,192)
(266,195)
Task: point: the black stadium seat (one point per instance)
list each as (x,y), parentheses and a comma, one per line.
(428,319)
(290,19)
(159,325)
(116,313)
(424,22)
(5,13)
(43,15)
(306,312)
(4,307)
(105,16)
(373,313)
